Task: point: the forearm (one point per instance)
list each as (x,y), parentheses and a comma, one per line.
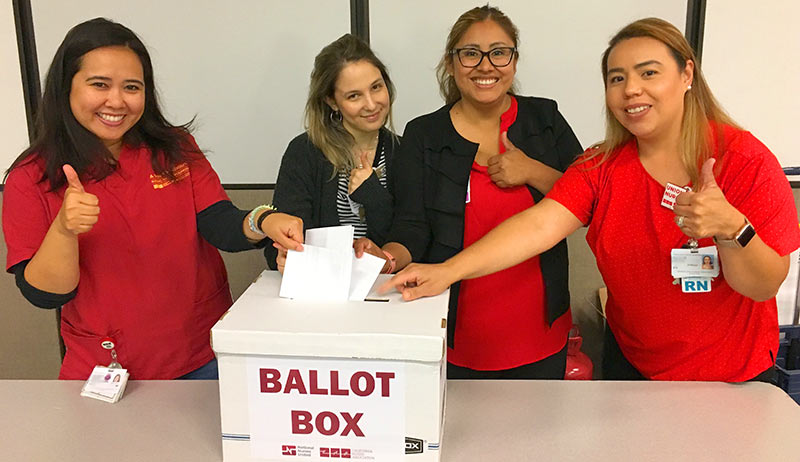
(55,266)
(543,177)
(517,239)
(402,256)
(755,271)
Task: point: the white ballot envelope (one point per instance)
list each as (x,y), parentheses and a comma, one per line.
(327,269)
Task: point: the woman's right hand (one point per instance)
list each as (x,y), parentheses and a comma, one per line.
(280,260)
(417,280)
(79,209)
(364,245)
(284,229)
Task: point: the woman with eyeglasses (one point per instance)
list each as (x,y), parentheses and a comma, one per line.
(484,156)
(337,172)
(665,130)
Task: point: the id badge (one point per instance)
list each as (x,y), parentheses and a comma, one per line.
(695,263)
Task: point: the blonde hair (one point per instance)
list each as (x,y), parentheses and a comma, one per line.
(447,83)
(700,106)
(325,130)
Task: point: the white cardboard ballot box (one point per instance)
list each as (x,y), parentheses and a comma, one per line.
(313,381)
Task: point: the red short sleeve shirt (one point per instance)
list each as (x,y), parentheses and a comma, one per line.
(148,280)
(664,333)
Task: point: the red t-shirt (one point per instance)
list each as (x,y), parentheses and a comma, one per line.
(665,333)
(502,320)
(147,278)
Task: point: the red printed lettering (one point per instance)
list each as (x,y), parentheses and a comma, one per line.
(355,381)
(351,424)
(301,423)
(335,390)
(384,377)
(294,381)
(314,385)
(327,430)
(269,380)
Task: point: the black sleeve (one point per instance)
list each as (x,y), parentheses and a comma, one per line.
(410,225)
(295,189)
(221,225)
(38,298)
(567,144)
(378,204)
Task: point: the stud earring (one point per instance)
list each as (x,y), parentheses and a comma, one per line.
(689,87)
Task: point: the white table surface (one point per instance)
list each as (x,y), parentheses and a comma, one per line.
(486,421)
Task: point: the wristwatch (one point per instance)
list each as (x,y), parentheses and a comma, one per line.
(742,237)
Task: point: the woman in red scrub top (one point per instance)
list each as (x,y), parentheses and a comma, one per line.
(484,156)
(114,214)
(665,131)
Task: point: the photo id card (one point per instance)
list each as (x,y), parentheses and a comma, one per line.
(689,263)
(106,384)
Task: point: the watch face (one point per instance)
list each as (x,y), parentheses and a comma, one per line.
(746,235)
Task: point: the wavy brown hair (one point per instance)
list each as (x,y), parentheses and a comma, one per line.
(327,134)
(700,106)
(447,83)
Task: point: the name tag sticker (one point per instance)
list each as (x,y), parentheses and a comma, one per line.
(695,285)
(694,263)
(670,194)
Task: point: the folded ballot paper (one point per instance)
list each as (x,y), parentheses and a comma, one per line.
(327,268)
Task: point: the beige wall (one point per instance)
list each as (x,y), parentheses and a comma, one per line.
(29,340)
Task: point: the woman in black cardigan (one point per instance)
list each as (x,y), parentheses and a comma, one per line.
(337,172)
(462,170)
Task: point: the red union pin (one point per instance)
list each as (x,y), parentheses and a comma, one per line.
(671,193)
(107,343)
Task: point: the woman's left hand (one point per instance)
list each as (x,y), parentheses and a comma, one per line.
(706,212)
(360,174)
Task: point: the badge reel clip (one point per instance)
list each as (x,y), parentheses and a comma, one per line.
(108,344)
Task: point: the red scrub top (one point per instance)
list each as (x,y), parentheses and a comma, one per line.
(502,321)
(665,333)
(148,280)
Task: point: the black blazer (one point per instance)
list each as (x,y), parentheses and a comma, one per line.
(307,188)
(432,170)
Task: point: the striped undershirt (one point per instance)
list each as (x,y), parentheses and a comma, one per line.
(350,212)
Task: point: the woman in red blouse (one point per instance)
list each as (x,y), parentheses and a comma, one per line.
(484,156)
(664,130)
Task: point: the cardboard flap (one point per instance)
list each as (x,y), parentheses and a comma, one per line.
(261,323)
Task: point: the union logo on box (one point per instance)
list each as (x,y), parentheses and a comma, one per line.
(324,452)
(345,453)
(335,452)
(287,450)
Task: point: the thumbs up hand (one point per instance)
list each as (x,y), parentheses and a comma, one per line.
(513,167)
(706,212)
(79,210)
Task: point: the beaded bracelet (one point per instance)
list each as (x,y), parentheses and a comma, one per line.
(256,227)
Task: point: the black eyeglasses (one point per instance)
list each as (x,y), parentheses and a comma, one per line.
(473,57)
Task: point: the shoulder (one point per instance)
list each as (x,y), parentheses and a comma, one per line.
(301,148)
(435,120)
(535,110)
(741,148)
(29,171)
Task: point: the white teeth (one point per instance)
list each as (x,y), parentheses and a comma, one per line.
(485,81)
(636,109)
(110,118)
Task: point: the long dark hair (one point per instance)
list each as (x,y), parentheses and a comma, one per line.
(59,139)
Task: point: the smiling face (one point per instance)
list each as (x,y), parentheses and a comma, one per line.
(361,96)
(485,84)
(107,94)
(645,88)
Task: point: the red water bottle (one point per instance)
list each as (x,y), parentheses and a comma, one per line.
(579,366)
